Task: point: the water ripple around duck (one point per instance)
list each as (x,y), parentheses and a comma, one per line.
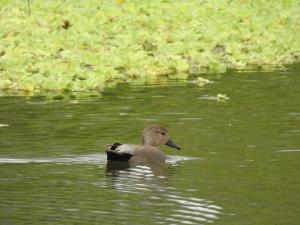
(143,182)
(88,159)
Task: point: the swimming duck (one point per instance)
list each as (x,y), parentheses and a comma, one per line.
(152,137)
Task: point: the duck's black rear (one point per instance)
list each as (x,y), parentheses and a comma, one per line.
(114,155)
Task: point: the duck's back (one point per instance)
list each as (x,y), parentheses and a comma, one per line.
(135,153)
(119,152)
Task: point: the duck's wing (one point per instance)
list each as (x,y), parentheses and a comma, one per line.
(120,152)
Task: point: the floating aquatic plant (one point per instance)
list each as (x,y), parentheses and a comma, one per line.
(222,98)
(80,46)
(202,81)
(3,125)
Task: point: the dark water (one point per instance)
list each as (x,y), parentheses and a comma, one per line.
(239,163)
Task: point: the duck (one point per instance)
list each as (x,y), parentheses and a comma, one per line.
(148,152)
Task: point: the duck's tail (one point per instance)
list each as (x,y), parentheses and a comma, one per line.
(113,154)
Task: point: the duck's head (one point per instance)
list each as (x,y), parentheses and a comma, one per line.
(156,135)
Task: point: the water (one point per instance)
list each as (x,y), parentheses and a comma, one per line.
(239,162)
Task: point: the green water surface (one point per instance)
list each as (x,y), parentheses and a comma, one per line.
(239,162)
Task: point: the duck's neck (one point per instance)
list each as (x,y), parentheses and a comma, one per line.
(149,141)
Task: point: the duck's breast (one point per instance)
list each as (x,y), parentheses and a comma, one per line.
(149,155)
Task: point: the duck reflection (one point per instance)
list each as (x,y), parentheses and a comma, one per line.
(168,205)
(113,168)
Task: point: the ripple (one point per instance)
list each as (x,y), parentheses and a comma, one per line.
(191,118)
(83,159)
(289,150)
(89,159)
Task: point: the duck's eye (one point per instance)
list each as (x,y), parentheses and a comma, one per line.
(163,133)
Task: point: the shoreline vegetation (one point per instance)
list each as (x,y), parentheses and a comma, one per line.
(84,46)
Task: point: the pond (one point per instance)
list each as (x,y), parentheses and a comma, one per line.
(239,162)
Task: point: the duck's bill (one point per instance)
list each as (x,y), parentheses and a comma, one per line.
(171,144)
